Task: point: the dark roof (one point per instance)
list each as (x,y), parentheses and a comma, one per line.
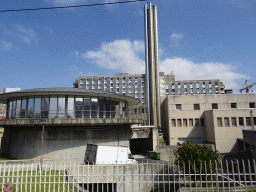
(67,91)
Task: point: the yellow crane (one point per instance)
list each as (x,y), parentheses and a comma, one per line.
(247,87)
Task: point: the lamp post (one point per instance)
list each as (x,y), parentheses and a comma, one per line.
(41,160)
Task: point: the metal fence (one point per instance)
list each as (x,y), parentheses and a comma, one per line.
(145,176)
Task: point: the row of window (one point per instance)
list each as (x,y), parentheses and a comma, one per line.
(248,121)
(214,106)
(94,80)
(65,107)
(197,122)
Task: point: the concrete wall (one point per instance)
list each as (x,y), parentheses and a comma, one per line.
(64,145)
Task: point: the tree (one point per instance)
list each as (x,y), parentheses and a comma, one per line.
(194,158)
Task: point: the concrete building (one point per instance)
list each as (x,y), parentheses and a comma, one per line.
(8,90)
(217,119)
(71,118)
(134,85)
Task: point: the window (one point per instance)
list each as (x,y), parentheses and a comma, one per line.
(196,122)
(178,106)
(185,123)
(135,111)
(196,107)
(233,120)
(241,121)
(252,105)
(202,122)
(233,105)
(248,121)
(191,122)
(214,105)
(173,123)
(179,122)
(254,120)
(226,121)
(219,122)
(142,110)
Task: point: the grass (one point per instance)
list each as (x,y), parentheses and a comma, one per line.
(5,157)
(27,181)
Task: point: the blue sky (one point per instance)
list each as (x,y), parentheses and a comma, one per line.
(197,40)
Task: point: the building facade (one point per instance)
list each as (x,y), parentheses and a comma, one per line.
(134,85)
(217,119)
(69,118)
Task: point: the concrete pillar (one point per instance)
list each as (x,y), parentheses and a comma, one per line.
(155,139)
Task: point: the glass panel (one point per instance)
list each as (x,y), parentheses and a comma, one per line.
(23,112)
(226,121)
(219,122)
(87,107)
(190,122)
(101,108)
(70,111)
(94,107)
(113,108)
(185,124)
(9,109)
(61,107)
(18,107)
(45,107)
(53,107)
(241,121)
(78,107)
(13,108)
(248,121)
(30,107)
(37,111)
(233,119)
(107,108)
(179,122)
(173,123)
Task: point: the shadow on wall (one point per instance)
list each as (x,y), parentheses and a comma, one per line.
(60,144)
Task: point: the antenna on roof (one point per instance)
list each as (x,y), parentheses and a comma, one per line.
(81,73)
(172,72)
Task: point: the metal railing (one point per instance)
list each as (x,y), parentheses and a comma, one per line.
(160,176)
(45,114)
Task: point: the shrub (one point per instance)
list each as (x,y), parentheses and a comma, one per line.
(196,157)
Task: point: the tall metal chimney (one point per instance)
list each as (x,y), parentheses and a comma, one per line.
(152,66)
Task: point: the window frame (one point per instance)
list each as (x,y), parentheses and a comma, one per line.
(196,106)
(233,105)
(215,106)
(176,105)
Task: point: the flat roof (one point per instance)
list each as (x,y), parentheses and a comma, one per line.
(67,91)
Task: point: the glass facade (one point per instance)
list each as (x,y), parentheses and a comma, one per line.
(66,107)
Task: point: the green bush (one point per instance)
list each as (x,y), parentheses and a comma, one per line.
(194,158)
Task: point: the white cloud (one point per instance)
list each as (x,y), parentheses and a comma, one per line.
(76,53)
(185,69)
(124,56)
(178,41)
(27,34)
(6,45)
(176,37)
(50,30)
(120,55)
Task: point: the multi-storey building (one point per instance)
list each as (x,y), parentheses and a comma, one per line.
(134,85)
(218,119)
(120,83)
